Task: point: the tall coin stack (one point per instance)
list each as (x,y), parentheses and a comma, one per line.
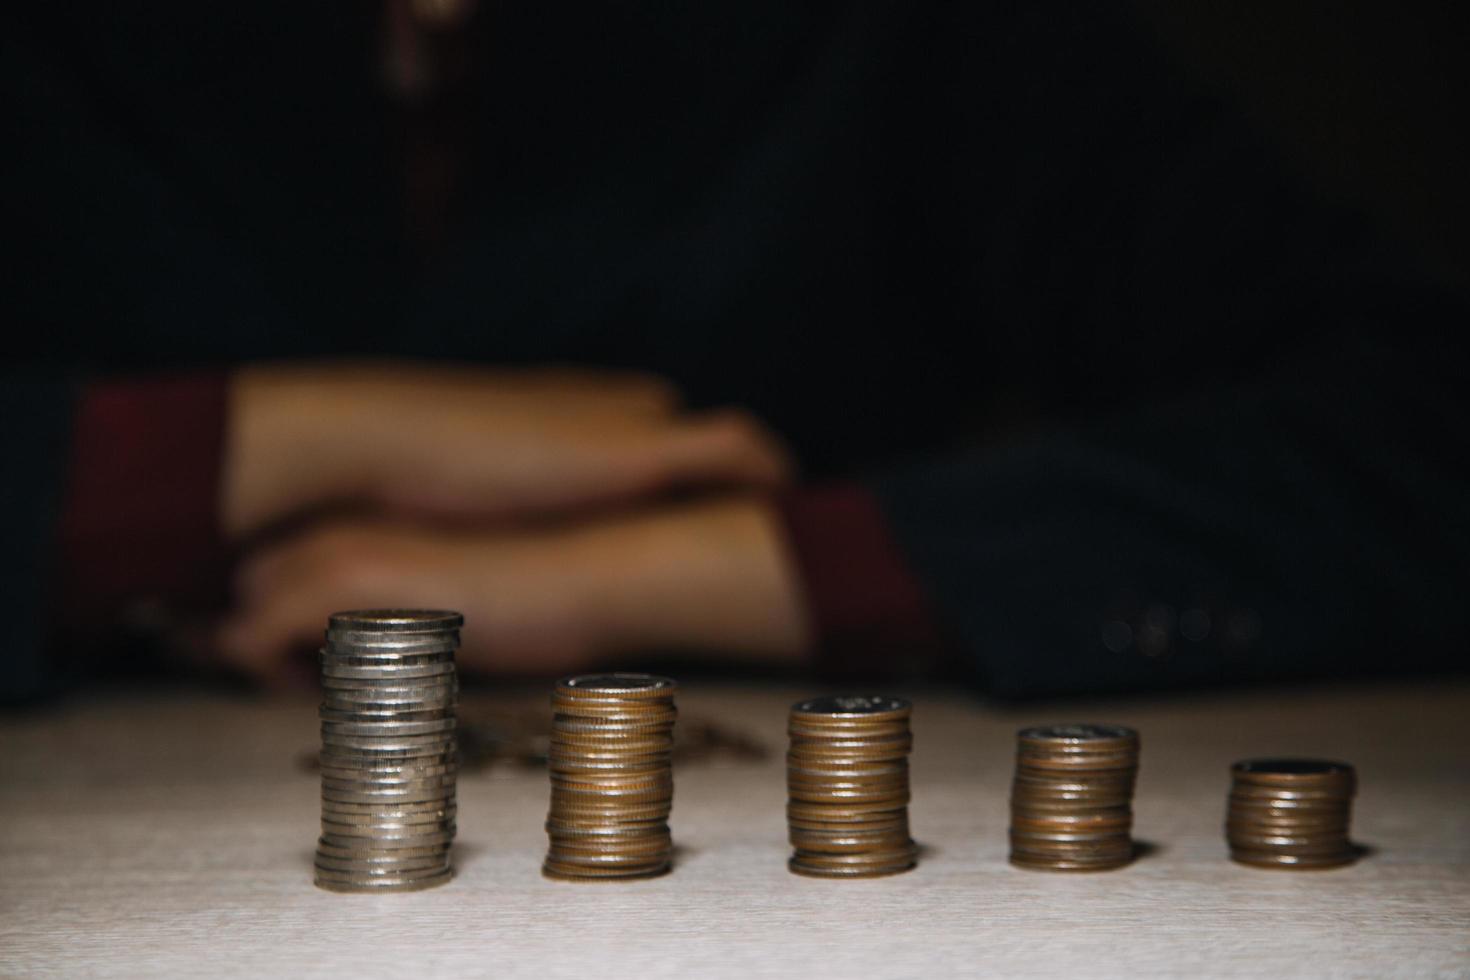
(612,786)
(1291,813)
(388,751)
(1071,802)
(847,776)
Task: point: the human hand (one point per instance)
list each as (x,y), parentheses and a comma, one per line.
(448,441)
(704,577)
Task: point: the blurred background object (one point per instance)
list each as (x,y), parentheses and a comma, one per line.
(1050,348)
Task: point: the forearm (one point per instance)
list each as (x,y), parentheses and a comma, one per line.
(710,577)
(472,443)
(290,446)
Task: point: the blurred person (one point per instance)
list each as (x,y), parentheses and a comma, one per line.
(1089,388)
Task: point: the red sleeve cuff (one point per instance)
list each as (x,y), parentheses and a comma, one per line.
(871,616)
(141,518)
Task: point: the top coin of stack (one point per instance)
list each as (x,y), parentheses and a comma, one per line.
(388,752)
(612,741)
(1291,813)
(1071,803)
(847,775)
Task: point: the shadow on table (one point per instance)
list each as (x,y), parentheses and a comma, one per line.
(1145,849)
(682,853)
(466,853)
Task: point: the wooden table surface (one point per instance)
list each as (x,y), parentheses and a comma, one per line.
(173,835)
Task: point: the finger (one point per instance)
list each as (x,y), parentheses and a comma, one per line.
(256,574)
(725,447)
(279,613)
(261,644)
(286,593)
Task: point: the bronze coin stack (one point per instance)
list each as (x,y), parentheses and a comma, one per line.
(612,786)
(847,775)
(1071,802)
(1291,813)
(388,753)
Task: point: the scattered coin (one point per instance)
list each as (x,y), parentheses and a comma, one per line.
(612,741)
(388,761)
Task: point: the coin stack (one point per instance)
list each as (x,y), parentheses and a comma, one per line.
(847,776)
(1071,802)
(388,753)
(612,742)
(1291,813)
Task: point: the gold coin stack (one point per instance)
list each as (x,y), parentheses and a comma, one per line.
(1071,802)
(612,742)
(847,775)
(1291,813)
(388,752)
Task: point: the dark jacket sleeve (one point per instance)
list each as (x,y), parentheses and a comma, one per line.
(112,502)
(35,421)
(1312,521)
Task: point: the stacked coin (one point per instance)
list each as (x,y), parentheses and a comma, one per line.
(847,776)
(388,754)
(1291,813)
(1071,802)
(612,741)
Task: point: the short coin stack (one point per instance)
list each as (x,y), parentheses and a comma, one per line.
(847,775)
(1291,813)
(612,786)
(388,752)
(1072,799)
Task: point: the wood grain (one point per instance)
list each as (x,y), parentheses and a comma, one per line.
(173,835)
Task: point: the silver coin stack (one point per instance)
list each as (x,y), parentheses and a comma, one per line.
(388,750)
